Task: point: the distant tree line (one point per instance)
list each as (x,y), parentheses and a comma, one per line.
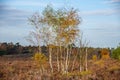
(11,48)
(17,48)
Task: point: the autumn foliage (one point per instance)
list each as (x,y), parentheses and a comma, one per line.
(105,53)
(40,58)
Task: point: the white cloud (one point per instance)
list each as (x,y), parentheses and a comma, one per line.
(115,0)
(29,4)
(13,17)
(100,12)
(112,1)
(33,3)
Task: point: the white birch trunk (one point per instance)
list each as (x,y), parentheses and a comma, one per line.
(86,64)
(50,60)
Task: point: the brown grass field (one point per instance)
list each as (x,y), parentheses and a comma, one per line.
(24,68)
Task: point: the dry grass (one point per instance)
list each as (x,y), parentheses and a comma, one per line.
(19,68)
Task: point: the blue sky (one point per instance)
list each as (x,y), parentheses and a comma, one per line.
(100,19)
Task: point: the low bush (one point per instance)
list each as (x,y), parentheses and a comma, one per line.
(116,53)
(105,53)
(100,63)
(40,58)
(94,57)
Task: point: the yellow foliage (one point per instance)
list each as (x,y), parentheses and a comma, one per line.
(11,68)
(40,58)
(105,53)
(51,46)
(83,73)
(105,56)
(115,67)
(94,57)
(100,63)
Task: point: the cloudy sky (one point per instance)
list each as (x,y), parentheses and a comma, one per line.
(100,19)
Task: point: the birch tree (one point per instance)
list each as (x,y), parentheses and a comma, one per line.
(65,24)
(35,36)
